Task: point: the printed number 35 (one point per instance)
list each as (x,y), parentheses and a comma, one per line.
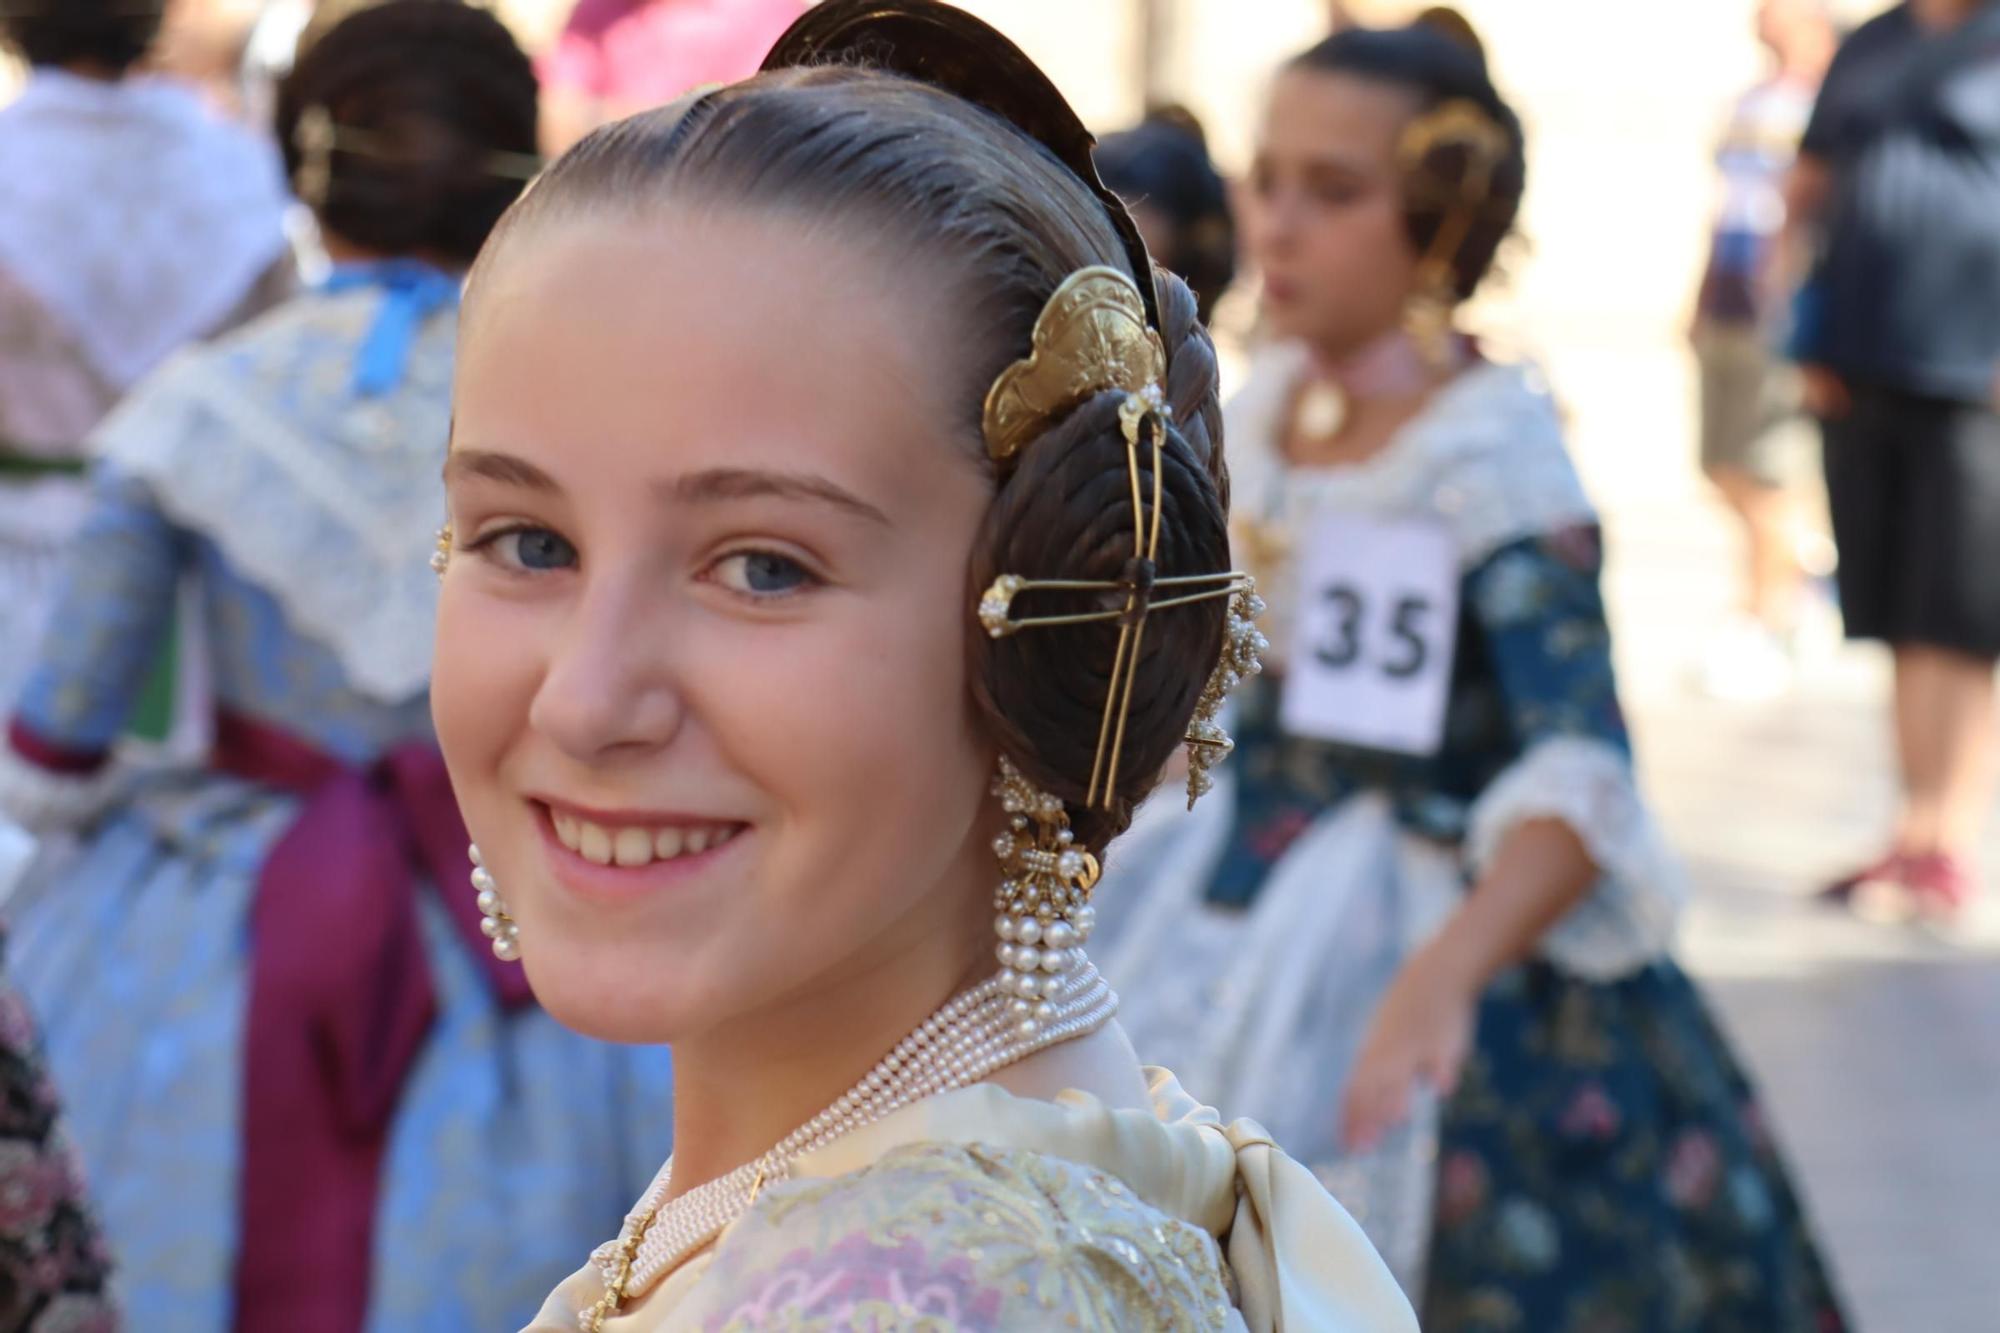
(1350,607)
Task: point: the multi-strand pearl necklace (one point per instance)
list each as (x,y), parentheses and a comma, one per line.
(961,1044)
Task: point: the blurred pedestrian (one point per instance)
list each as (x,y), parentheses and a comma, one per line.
(1422,933)
(615,57)
(1752,422)
(132,221)
(1899,179)
(1162,170)
(316,1101)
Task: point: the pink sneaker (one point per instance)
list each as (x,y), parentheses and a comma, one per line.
(1939,886)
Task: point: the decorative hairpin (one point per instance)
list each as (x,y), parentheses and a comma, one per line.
(1463,124)
(317,138)
(1092,336)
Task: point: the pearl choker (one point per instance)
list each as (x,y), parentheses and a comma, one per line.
(972,1036)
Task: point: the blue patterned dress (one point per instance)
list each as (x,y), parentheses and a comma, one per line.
(1602,1164)
(296,486)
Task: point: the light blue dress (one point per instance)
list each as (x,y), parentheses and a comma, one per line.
(294,486)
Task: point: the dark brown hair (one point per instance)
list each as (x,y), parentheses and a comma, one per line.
(1163,163)
(442,87)
(114,34)
(1440,60)
(1004,223)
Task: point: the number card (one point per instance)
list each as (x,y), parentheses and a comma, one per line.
(1376,627)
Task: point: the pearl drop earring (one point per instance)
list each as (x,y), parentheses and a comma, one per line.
(495,924)
(1045,916)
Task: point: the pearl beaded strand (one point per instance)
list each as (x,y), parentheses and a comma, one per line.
(971,1037)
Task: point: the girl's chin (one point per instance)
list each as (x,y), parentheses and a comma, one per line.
(606,1003)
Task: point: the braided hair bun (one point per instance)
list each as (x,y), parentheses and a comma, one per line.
(425,95)
(1066,512)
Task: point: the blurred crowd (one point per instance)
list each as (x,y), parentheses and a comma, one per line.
(232,239)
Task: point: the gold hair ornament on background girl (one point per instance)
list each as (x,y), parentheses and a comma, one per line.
(1462,124)
(317,138)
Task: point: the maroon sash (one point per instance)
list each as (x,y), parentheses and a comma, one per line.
(340,1004)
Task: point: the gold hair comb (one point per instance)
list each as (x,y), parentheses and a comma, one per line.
(1093,336)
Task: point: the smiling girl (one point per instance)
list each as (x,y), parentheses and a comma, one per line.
(788,417)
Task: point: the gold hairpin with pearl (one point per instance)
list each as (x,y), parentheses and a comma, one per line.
(1093,336)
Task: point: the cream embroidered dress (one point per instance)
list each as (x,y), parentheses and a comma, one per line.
(981,1210)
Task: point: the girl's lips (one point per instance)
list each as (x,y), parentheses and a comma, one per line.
(1280,290)
(631,859)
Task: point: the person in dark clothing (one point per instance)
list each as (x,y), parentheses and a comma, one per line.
(1161,169)
(1899,335)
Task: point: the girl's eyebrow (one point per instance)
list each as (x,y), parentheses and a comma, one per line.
(719,484)
(503,468)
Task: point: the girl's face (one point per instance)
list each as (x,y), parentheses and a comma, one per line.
(1326,215)
(701,673)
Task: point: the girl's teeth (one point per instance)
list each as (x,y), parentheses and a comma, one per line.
(633,847)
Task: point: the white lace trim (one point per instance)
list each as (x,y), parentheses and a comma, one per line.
(41,801)
(1485,459)
(137,217)
(1629,918)
(1486,456)
(333,513)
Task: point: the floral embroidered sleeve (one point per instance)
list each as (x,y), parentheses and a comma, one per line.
(950,1239)
(114,610)
(1542,612)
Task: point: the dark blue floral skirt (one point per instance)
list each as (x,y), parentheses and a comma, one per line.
(1605,1168)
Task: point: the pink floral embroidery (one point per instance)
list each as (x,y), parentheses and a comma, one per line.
(17,1029)
(1590,1115)
(1694,1169)
(834,1285)
(1580,546)
(31,1185)
(1270,841)
(1463,1184)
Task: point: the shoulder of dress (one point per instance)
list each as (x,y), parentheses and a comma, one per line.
(969,1236)
(1498,464)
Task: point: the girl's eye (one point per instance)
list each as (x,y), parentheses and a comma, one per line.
(1339,193)
(534,550)
(762,574)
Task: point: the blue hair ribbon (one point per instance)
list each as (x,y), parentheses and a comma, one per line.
(412,291)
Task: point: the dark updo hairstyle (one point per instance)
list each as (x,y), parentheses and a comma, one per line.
(430,101)
(108,34)
(1163,163)
(1439,59)
(996,222)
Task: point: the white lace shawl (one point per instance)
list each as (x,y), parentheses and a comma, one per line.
(327,501)
(1487,459)
(137,217)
